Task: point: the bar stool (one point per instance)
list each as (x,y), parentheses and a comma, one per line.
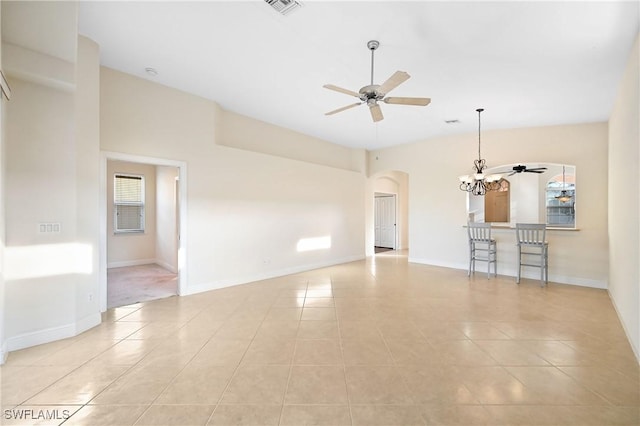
(531,245)
(480,242)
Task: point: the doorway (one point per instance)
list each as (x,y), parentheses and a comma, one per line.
(388,214)
(497,203)
(384,222)
(145,261)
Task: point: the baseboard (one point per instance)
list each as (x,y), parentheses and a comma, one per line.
(437,263)
(52,334)
(267,275)
(166,266)
(124,263)
(636,351)
(533,275)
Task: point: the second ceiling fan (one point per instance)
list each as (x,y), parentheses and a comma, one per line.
(373,93)
(520,168)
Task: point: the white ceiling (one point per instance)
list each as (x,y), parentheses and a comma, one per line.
(527,63)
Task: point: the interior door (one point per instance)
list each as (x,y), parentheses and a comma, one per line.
(385,221)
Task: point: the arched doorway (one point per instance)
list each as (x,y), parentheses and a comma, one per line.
(389,226)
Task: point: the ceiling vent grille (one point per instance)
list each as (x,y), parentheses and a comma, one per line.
(283,6)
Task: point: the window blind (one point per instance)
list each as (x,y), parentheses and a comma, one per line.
(128,203)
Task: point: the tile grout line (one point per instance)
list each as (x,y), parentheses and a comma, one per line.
(295,349)
(344,363)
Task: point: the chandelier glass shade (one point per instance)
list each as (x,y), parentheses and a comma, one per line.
(478,183)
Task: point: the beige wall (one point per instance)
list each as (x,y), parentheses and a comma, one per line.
(51,176)
(127,249)
(3,346)
(246,211)
(437,209)
(624,204)
(166,217)
(242,132)
(87,177)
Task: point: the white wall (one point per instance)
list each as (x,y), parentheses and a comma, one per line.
(3,345)
(526,197)
(247,211)
(87,177)
(166,218)
(624,204)
(51,176)
(128,249)
(437,209)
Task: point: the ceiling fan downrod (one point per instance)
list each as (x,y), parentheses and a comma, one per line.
(372,45)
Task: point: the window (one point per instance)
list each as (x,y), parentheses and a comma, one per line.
(560,201)
(128,203)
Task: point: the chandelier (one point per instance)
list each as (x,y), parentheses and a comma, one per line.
(478,183)
(564,194)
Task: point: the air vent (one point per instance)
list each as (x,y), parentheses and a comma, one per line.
(283,6)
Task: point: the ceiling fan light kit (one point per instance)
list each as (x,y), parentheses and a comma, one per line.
(478,183)
(374,93)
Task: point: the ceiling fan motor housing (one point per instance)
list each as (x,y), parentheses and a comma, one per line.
(370,94)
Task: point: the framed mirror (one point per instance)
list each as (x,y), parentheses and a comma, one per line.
(529,193)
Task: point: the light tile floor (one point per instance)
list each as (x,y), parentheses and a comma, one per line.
(376,342)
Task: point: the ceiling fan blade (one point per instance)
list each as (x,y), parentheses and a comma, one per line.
(408,101)
(341,90)
(394,81)
(343,108)
(534,171)
(376,112)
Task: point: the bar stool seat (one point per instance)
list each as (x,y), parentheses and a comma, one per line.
(533,249)
(481,247)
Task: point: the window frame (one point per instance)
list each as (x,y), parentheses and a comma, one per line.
(141,204)
(556,209)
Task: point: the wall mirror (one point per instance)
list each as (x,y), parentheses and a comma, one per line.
(530,193)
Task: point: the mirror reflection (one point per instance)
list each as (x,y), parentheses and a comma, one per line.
(529,193)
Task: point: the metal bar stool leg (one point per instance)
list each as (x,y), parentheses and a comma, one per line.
(519,264)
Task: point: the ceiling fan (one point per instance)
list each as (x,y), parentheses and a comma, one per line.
(523,169)
(373,93)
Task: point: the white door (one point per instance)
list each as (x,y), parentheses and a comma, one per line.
(385,221)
